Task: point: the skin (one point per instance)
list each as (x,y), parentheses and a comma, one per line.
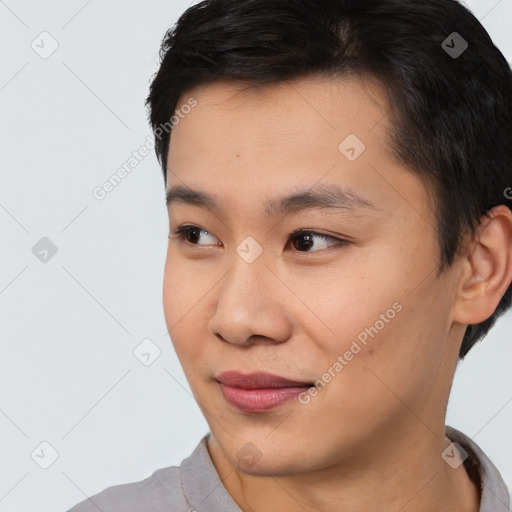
(372,438)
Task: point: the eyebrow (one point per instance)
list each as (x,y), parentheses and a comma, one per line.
(319,197)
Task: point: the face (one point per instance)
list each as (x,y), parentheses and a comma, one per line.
(315,259)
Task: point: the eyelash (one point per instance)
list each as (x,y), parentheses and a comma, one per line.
(182,232)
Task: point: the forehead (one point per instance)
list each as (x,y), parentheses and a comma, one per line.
(323,103)
(277,121)
(254,141)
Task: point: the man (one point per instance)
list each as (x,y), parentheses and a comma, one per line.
(340,237)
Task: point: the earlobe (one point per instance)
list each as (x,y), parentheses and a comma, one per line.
(488,268)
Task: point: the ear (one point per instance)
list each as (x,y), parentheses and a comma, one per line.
(487,269)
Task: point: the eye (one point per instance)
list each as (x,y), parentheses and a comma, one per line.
(302,240)
(191,234)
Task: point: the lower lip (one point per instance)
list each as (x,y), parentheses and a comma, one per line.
(259,400)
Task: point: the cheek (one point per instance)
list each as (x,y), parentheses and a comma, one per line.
(353,300)
(379,320)
(387,366)
(175,293)
(183,291)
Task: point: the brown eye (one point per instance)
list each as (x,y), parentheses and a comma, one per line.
(303,241)
(192,235)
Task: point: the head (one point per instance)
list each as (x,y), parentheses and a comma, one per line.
(346,171)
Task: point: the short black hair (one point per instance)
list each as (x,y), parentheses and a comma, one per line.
(451,106)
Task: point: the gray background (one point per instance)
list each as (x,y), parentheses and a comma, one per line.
(70,324)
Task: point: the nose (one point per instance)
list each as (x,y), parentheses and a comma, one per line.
(251,306)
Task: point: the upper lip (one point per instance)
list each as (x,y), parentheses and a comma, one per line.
(260,380)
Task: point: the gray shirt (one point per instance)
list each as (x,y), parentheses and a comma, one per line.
(195,486)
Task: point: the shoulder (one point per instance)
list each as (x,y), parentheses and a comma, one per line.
(191,486)
(162,491)
(494,494)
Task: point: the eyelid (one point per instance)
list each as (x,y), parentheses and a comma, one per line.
(300,231)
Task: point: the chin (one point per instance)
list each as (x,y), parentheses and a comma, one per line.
(273,468)
(280,460)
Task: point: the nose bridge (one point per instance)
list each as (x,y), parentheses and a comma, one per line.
(249,269)
(248,304)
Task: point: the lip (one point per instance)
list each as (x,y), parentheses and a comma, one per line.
(259,392)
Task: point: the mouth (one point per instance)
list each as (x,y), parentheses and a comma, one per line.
(259,392)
